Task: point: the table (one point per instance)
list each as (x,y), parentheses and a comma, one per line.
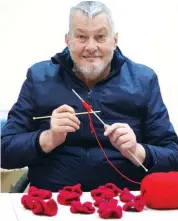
(7,212)
(12,209)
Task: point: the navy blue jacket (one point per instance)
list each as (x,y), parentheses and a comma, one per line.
(130,94)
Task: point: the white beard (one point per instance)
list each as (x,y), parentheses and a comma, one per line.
(91,71)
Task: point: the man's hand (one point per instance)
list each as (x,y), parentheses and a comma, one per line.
(62,122)
(123,138)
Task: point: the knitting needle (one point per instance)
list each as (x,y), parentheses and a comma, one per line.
(105,126)
(80,113)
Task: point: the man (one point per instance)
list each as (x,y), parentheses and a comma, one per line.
(62,150)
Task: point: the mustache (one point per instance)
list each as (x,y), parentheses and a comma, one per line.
(90,55)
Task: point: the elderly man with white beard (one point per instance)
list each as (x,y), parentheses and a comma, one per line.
(61,150)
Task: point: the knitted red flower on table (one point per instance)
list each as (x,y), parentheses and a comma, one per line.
(28,201)
(48,208)
(105,193)
(40,193)
(69,194)
(39,206)
(78,207)
(105,196)
(133,203)
(110,209)
(126,196)
(110,187)
(98,191)
(114,188)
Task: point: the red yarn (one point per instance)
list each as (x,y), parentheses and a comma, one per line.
(69,194)
(110,209)
(88,108)
(40,193)
(78,207)
(160,190)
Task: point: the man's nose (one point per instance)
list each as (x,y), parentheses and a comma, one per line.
(91,46)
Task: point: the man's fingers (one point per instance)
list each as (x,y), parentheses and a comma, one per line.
(110,129)
(67,115)
(67,122)
(64,129)
(125,146)
(119,135)
(65,108)
(105,126)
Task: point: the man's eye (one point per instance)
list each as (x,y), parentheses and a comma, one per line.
(101,38)
(81,36)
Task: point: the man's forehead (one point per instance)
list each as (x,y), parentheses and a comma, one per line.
(82,23)
(102,29)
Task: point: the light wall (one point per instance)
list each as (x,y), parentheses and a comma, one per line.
(33,30)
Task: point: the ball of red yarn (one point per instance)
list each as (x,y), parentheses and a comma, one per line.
(160,190)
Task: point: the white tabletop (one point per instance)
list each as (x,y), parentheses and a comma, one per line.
(12,209)
(7,211)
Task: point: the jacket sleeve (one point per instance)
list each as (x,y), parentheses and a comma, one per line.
(159,135)
(19,139)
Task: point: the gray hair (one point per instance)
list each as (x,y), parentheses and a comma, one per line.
(91,9)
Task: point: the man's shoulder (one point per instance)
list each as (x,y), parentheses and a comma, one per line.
(42,70)
(140,70)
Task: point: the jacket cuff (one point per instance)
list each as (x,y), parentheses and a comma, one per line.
(37,144)
(148,162)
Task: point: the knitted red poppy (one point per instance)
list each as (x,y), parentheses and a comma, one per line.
(69,194)
(106,195)
(110,209)
(39,206)
(134,205)
(78,207)
(114,188)
(132,202)
(126,196)
(102,190)
(48,208)
(40,193)
(160,190)
(76,188)
(110,187)
(27,201)
(98,191)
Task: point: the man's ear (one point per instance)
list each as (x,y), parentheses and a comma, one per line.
(67,39)
(115,39)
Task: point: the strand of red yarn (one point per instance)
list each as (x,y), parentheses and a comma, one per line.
(88,108)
